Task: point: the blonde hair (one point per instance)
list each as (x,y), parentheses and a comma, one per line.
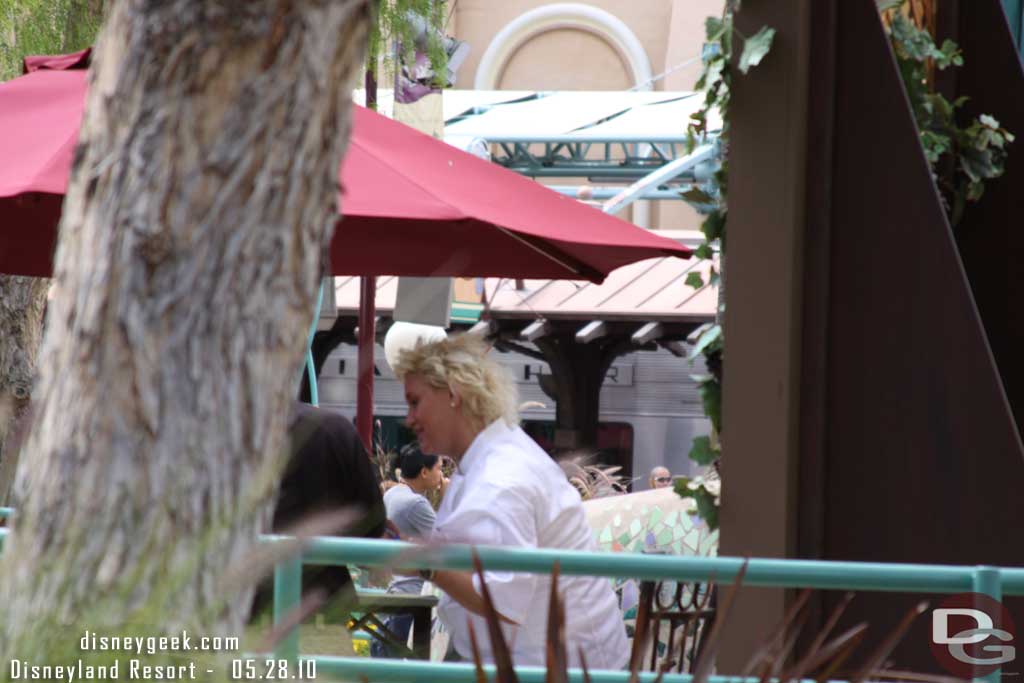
(460,364)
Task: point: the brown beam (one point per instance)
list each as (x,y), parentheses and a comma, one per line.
(762,321)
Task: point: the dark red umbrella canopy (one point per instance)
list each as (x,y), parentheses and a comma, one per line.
(412,204)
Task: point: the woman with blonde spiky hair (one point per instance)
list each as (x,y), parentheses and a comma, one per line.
(505,491)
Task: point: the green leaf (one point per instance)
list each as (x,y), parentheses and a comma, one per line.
(682,488)
(707,508)
(695,195)
(713,29)
(691,140)
(712,75)
(702,452)
(704,251)
(694,280)
(975,191)
(755,48)
(713,226)
(709,337)
(711,397)
(727,36)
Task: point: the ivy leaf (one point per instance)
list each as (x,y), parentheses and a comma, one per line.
(695,195)
(713,226)
(975,191)
(707,508)
(709,337)
(711,397)
(712,73)
(694,280)
(682,488)
(727,36)
(704,251)
(755,48)
(713,29)
(702,452)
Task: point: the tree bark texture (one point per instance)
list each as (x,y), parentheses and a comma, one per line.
(22,302)
(58,26)
(202,201)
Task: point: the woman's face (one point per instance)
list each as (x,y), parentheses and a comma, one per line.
(431,416)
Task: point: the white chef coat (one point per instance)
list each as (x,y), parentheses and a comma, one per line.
(508,491)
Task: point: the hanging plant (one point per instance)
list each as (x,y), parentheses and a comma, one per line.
(412,25)
(962,158)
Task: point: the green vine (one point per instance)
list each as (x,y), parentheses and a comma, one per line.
(715,82)
(961,158)
(409,24)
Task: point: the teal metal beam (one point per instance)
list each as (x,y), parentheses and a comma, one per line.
(314,392)
(572,156)
(827,575)
(414,671)
(660,176)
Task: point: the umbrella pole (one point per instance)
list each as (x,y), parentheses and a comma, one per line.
(367,324)
(367,332)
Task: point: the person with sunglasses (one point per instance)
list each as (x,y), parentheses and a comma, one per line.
(660,478)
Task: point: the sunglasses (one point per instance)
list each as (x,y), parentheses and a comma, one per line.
(663,480)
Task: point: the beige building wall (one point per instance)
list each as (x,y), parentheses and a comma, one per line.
(568,57)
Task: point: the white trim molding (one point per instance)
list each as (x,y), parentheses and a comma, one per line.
(561,15)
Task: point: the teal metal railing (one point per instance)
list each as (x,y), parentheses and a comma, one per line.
(904,578)
(821,574)
(827,575)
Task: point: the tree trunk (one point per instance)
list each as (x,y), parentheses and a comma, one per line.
(22,301)
(201,205)
(55,27)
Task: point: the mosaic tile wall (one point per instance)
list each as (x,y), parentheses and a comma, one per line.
(652,527)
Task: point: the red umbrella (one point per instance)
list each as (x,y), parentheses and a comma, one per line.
(413,205)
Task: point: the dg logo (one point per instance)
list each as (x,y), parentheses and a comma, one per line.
(972,635)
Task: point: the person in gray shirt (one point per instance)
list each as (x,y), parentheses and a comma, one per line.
(410,511)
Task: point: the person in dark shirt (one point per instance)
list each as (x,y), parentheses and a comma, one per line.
(328,470)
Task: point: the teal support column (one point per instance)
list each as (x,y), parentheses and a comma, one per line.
(987,581)
(287,593)
(1015,15)
(314,393)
